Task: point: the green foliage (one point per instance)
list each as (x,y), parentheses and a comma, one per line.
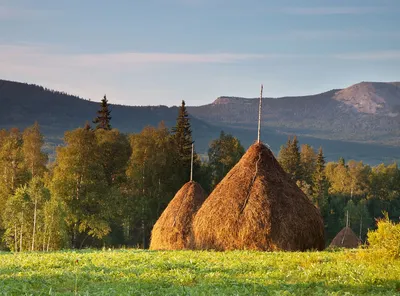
(320,184)
(34,158)
(153,179)
(15,215)
(385,240)
(359,217)
(107,189)
(22,163)
(290,159)
(223,154)
(26,218)
(79,181)
(136,272)
(182,137)
(12,173)
(114,152)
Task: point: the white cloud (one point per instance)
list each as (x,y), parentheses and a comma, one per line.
(8,12)
(54,55)
(370,56)
(130,76)
(117,74)
(332,10)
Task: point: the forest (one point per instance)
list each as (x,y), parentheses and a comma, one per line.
(107,189)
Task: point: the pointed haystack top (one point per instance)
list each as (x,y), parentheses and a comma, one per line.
(257,207)
(346,238)
(173,229)
(259,116)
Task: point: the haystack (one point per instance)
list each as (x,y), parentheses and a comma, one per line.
(346,238)
(257,207)
(173,229)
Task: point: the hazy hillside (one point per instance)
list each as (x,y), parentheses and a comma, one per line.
(22,104)
(365,112)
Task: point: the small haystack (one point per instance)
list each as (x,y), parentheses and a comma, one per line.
(172,230)
(257,207)
(346,238)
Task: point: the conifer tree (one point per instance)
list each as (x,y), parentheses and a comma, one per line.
(182,137)
(289,158)
(183,134)
(308,162)
(319,179)
(103,115)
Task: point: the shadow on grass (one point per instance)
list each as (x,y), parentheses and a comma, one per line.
(109,283)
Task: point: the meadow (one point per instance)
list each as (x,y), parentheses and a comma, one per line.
(138,272)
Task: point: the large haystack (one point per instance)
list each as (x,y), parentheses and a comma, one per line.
(346,238)
(172,230)
(256,206)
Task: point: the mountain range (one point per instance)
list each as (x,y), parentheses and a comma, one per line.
(359,122)
(368,112)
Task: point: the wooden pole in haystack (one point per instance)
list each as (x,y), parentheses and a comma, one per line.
(259,116)
(347,225)
(191,163)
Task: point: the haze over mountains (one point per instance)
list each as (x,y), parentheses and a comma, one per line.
(360,122)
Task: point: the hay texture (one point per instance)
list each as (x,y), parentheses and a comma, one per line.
(346,238)
(172,230)
(257,207)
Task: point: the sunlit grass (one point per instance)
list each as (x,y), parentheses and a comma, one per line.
(137,272)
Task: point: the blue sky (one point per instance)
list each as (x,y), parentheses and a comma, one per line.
(151,52)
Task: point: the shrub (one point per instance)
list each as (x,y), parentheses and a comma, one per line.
(385,239)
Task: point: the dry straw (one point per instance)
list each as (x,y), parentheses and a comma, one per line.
(257,207)
(346,238)
(173,229)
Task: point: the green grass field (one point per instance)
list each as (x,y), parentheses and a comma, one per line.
(137,272)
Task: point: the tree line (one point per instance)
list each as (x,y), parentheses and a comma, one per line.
(337,188)
(104,187)
(109,188)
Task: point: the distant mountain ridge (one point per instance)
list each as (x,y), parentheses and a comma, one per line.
(365,112)
(329,119)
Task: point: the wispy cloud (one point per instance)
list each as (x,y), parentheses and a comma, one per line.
(52,54)
(339,34)
(157,58)
(130,75)
(91,75)
(11,12)
(384,55)
(333,10)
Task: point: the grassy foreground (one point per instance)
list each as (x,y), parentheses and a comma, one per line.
(137,272)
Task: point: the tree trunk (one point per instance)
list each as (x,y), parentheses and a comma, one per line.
(15,238)
(20,235)
(143,228)
(44,237)
(50,227)
(34,226)
(74,236)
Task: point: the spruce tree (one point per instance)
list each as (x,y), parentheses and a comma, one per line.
(182,138)
(289,159)
(319,179)
(182,134)
(103,115)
